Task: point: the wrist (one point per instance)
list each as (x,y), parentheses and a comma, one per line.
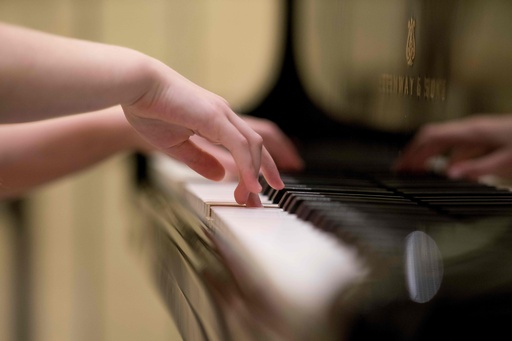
(139,76)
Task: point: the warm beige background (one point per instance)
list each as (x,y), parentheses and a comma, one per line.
(88,281)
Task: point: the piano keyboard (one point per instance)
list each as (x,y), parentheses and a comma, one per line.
(366,205)
(260,235)
(329,246)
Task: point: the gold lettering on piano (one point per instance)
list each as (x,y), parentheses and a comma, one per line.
(425,88)
(410,49)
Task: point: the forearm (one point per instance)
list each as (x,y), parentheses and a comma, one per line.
(35,153)
(43,75)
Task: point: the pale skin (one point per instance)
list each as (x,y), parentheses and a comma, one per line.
(61,146)
(281,148)
(35,153)
(474,147)
(43,75)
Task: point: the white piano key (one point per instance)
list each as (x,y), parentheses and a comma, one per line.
(302,267)
(299,268)
(202,196)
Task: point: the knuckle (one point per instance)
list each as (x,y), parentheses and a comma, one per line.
(257,140)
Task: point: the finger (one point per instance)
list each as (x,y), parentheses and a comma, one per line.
(461,153)
(197,159)
(245,146)
(416,156)
(279,145)
(497,163)
(241,193)
(219,152)
(255,140)
(270,171)
(253,200)
(284,153)
(432,140)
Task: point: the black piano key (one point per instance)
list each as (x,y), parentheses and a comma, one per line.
(381,212)
(295,200)
(348,195)
(276,196)
(346,203)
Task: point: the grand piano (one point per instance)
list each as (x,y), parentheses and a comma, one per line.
(350,250)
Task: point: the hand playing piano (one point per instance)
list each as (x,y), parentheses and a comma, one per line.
(473,147)
(175,109)
(61,76)
(280,147)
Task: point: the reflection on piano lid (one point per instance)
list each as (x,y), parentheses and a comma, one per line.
(361,74)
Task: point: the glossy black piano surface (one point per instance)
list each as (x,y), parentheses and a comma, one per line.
(348,92)
(358,77)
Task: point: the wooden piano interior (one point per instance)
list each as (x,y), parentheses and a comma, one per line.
(349,250)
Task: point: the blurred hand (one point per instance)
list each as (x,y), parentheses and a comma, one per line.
(474,147)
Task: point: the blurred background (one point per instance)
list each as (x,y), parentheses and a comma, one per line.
(70,266)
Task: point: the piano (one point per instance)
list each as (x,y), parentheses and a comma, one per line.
(349,250)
